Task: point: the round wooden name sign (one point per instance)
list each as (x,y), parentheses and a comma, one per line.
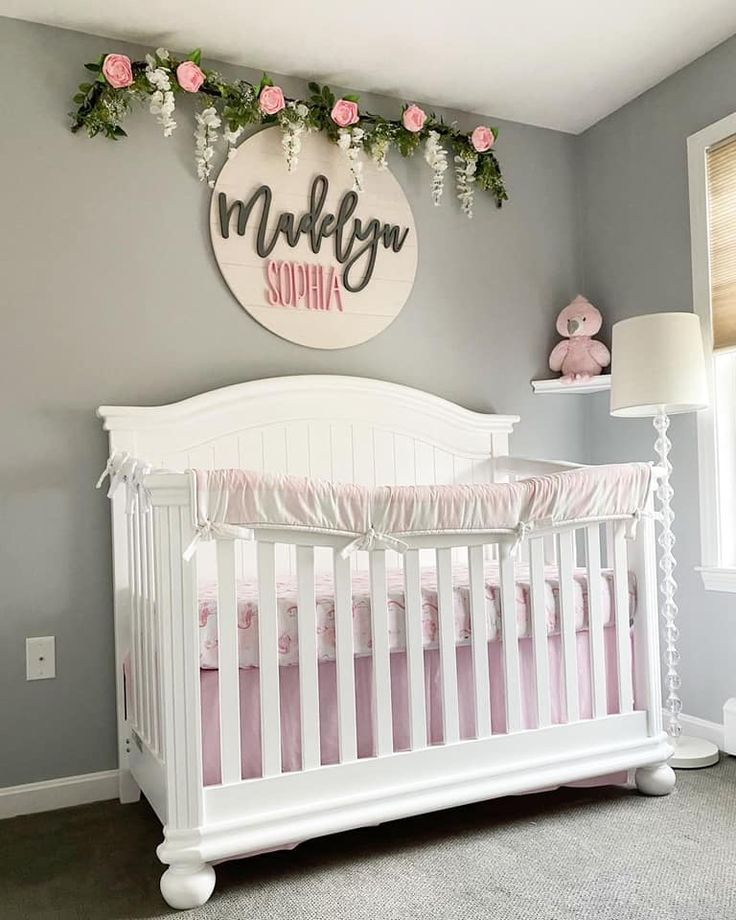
(305,255)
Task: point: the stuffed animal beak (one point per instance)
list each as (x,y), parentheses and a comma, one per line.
(572,326)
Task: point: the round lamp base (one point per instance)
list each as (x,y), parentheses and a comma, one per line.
(693,753)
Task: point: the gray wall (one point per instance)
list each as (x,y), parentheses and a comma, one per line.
(111,295)
(635,246)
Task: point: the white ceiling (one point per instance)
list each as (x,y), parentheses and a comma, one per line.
(557,63)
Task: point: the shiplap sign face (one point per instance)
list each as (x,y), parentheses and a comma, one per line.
(310,259)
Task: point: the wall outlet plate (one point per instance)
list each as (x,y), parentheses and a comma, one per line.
(40,658)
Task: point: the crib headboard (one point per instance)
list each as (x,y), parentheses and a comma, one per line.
(349,429)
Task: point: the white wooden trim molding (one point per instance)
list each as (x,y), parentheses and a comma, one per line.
(701,728)
(64,792)
(697,148)
(718,579)
(578,388)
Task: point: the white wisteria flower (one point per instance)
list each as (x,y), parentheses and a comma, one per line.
(231,139)
(465,167)
(436,156)
(379,152)
(205,138)
(350,141)
(293,121)
(162,103)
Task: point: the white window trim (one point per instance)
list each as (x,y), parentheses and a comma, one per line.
(715,576)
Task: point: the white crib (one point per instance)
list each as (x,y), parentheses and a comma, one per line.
(368,432)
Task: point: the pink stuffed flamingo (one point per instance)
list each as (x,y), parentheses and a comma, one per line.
(579,357)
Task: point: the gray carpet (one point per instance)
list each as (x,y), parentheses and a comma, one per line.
(599,854)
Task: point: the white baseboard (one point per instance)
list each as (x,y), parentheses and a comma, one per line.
(701,728)
(58,793)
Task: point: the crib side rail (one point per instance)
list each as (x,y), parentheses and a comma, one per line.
(592,547)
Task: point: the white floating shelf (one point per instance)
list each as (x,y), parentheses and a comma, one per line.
(594,385)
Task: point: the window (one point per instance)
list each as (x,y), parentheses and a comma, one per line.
(712,174)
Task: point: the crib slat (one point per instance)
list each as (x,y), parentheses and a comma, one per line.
(344,659)
(144,623)
(510,641)
(595,619)
(567,623)
(415,651)
(537,590)
(135,654)
(268,636)
(382,719)
(308,676)
(154,632)
(448,660)
(623,642)
(227,644)
(479,642)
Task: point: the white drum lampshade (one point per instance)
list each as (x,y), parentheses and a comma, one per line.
(658,365)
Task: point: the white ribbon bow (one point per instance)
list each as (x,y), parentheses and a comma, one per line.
(211,530)
(523,529)
(114,468)
(371,539)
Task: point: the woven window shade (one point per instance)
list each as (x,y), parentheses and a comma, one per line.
(722,235)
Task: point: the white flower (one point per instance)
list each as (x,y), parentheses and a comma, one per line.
(205,136)
(465,167)
(162,102)
(231,139)
(379,152)
(162,54)
(293,124)
(350,141)
(436,156)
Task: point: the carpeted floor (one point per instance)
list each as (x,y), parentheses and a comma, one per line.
(599,854)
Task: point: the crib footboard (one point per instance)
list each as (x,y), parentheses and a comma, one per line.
(518,703)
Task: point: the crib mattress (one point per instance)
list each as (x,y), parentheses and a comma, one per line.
(288,611)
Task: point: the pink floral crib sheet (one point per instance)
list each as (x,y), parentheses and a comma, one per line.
(288,614)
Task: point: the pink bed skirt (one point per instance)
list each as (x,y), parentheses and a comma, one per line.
(250,729)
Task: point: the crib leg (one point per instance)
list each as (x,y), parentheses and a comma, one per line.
(656,779)
(128,789)
(187,886)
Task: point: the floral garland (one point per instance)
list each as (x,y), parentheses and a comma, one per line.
(229,108)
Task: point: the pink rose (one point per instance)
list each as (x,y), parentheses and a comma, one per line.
(345,113)
(482,139)
(118,70)
(414,119)
(271,100)
(190,76)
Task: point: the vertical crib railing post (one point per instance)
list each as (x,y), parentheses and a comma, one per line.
(510,635)
(479,642)
(595,619)
(134,694)
(568,635)
(415,651)
(448,655)
(308,674)
(268,652)
(539,630)
(227,659)
(380,656)
(176,582)
(647,676)
(344,660)
(623,636)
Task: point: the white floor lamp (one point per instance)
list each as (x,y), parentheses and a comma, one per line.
(658,370)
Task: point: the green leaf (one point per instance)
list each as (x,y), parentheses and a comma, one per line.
(196,56)
(314,88)
(95,68)
(85,87)
(119,132)
(79,98)
(351,98)
(101,79)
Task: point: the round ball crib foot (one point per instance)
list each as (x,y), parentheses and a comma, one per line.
(184,887)
(658,779)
